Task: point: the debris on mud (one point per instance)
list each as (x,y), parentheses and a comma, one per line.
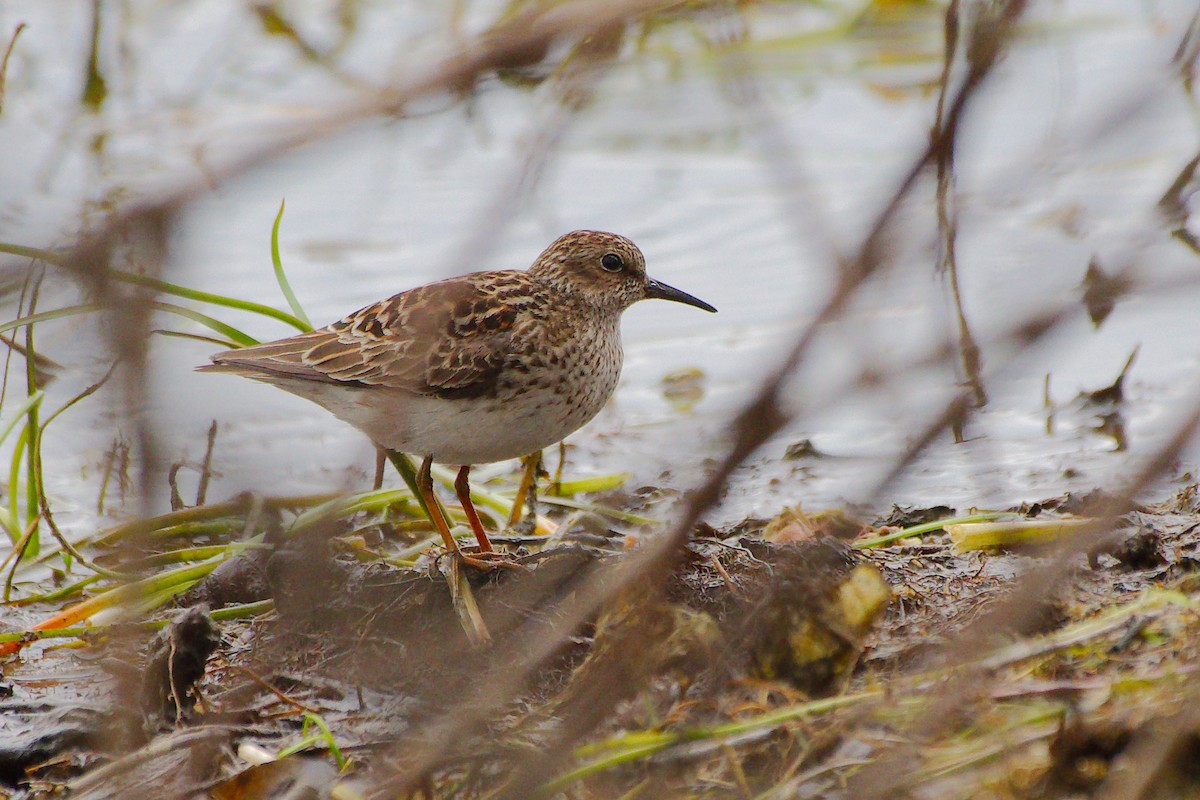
(175,664)
(775,654)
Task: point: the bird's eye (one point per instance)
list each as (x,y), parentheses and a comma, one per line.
(612,262)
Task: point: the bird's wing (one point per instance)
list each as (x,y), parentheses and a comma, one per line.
(447,339)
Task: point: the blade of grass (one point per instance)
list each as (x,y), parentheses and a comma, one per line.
(9,524)
(243,610)
(14,555)
(227,344)
(43,503)
(161,587)
(376,501)
(220,615)
(88,392)
(242,339)
(280,276)
(923,528)
(636,745)
(33,472)
(36,253)
(19,414)
(1013,533)
(213,299)
(51,257)
(325,735)
(234,506)
(202,552)
(14,473)
(45,316)
(600,510)
(59,593)
(596,483)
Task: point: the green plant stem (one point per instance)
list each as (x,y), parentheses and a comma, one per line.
(923,528)
(243,610)
(15,555)
(408,472)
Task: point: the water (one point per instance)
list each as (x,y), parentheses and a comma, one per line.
(1063,159)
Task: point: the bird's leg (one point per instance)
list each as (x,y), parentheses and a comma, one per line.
(556,484)
(490,560)
(462,487)
(539,473)
(380,460)
(425,487)
(531,463)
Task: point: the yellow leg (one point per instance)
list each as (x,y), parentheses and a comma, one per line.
(528,477)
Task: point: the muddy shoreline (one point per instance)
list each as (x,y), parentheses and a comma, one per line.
(745,628)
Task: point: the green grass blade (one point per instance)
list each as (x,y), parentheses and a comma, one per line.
(224,344)
(33,461)
(45,316)
(37,253)
(923,528)
(10,525)
(87,392)
(280,276)
(58,258)
(14,473)
(19,414)
(209,297)
(243,339)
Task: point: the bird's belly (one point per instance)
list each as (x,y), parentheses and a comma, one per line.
(533,406)
(481,431)
(469,431)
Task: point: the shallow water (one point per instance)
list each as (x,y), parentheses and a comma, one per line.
(1066,153)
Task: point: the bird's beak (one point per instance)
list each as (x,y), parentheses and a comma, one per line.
(660,291)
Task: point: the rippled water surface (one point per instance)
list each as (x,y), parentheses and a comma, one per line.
(741,202)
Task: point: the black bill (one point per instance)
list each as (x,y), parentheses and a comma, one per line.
(660,291)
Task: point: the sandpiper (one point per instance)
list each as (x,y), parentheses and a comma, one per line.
(470,370)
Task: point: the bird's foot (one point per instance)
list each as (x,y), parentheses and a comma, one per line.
(490,560)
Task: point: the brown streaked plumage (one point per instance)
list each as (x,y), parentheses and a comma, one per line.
(484,367)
